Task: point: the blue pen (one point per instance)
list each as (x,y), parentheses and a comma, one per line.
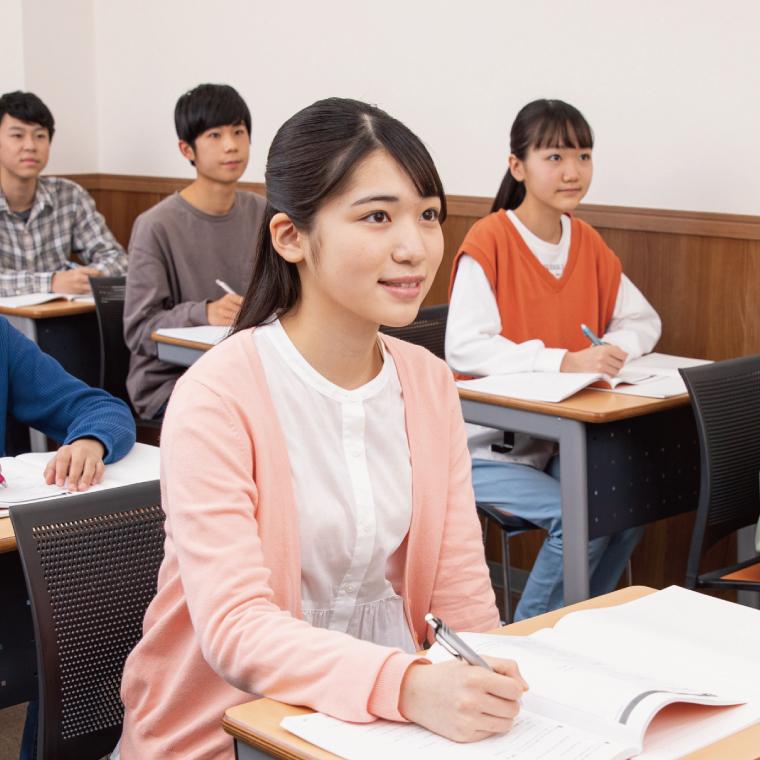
(591,335)
(71,265)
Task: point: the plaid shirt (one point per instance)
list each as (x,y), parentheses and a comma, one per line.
(62,221)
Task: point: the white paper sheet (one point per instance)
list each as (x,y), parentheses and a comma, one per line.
(532,386)
(210,334)
(33,299)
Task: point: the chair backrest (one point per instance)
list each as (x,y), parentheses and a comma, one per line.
(725,397)
(91,564)
(114,354)
(428,330)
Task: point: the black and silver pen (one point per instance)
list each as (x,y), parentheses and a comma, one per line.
(453,644)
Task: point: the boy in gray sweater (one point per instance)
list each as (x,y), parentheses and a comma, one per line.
(188,241)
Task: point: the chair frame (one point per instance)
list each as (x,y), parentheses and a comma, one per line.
(707,531)
(135,507)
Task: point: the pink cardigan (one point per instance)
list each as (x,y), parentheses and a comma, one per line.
(226,620)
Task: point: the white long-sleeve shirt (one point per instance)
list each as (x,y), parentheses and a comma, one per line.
(475,345)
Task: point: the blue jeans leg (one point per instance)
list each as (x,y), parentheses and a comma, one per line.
(29,738)
(535,496)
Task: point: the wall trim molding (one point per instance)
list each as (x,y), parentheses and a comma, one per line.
(698,223)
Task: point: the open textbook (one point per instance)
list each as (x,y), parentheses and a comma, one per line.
(209,334)
(653,375)
(652,678)
(34,299)
(23,475)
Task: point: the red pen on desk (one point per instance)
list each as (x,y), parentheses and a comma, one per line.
(2,481)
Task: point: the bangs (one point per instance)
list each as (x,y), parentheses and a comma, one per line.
(562,126)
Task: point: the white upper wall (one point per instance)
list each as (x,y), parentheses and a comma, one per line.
(668,87)
(12,48)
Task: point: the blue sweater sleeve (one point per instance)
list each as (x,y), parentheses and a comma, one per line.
(42,394)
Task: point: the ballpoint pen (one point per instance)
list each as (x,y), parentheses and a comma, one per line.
(225,287)
(591,335)
(453,644)
(3,482)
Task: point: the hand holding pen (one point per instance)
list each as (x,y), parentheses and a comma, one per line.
(461,702)
(602,358)
(224,310)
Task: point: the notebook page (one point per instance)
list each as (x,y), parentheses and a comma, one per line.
(531,738)
(210,334)
(24,484)
(532,386)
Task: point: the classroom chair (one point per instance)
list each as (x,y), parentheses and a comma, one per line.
(91,564)
(428,330)
(725,397)
(108,293)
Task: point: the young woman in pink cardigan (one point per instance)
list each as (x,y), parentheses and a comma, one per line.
(316,479)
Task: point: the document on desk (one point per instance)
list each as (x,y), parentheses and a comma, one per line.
(23,475)
(209,334)
(34,299)
(652,678)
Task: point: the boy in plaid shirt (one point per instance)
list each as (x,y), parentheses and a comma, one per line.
(43,220)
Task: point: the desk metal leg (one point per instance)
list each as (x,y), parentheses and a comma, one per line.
(244,751)
(573,475)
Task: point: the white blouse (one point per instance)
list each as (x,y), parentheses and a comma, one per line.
(352,481)
(475,345)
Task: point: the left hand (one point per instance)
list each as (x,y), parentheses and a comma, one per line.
(77,465)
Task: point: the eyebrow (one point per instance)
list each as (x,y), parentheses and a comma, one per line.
(376,199)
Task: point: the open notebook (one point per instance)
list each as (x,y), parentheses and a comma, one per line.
(658,677)
(34,299)
(210,334)
(23,474)
(653,375)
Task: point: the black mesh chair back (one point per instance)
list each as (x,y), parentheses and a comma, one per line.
(725,397)
(428,330)
(114,354)
(91,563)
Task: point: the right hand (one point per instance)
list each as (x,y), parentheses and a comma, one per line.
(464,703)
(73,280)
(224,310)
(607,359)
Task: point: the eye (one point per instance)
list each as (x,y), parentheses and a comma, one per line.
(240,131)
(214,135)
(554,157)
(585,156)
(431,215)
(377,217)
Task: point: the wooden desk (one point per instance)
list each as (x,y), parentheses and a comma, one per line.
(68,331)
(177,351)
(7,538)
(255,726)
(625,461)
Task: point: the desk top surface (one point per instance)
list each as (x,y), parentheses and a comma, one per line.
(258,723)
(50,309)
(7,537)
(588,405)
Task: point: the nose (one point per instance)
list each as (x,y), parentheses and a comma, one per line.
(230,145)
(570,171)
(410,245)
(28,143)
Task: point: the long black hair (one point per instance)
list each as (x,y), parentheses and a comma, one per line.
(541,124)
(311,159)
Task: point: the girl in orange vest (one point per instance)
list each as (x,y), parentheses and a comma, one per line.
(525,278)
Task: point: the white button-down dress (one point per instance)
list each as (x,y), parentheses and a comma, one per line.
(352,481)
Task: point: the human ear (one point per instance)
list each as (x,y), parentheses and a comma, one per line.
(187,150)
(516,167)
(286,239)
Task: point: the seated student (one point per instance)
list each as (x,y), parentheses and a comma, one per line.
(316,479)
(94,427)
(184,244)
(524,279)
(43,220)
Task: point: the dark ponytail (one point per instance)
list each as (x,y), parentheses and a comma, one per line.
(541,124)
(312,157)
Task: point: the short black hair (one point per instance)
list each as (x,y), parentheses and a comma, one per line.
(27,107)
(207,106)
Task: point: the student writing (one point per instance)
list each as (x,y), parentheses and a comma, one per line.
(43,220)
(181,246)
(524,280)
(315,476)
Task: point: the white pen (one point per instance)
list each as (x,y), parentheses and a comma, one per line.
(453,644)
(225,287)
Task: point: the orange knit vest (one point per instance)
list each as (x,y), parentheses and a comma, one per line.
(532,302)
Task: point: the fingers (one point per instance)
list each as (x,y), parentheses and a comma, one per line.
(76,466)
(508,668)
(235,299)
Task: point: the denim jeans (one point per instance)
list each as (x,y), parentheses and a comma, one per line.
(29,738)
(535,495)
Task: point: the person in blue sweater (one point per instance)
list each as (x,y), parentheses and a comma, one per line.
(93,427)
